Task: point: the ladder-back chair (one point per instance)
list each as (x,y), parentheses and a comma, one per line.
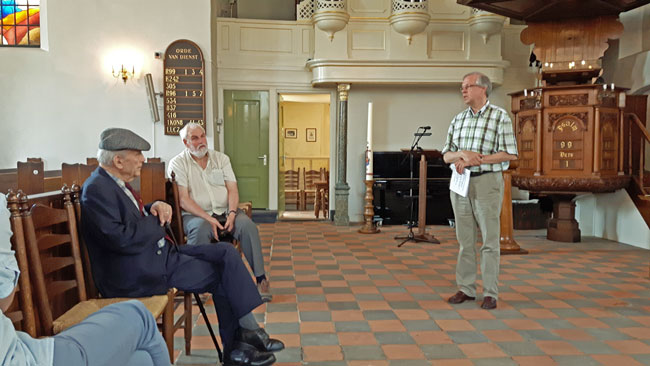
(56,270)
(292,192)
(21,311)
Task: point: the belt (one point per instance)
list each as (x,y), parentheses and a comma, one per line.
(476,174)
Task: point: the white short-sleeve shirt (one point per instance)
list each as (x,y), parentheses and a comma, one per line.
(207,187)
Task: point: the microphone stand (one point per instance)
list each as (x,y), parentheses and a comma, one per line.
(411,223)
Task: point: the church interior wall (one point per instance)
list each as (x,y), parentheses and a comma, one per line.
(56,102)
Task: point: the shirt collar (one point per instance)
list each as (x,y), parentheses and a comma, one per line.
(117,180)
(480,111)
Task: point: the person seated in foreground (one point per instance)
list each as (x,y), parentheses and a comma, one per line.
(136,339)
(131,257)
(209,198)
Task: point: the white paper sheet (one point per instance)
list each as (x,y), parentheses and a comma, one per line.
(459,183)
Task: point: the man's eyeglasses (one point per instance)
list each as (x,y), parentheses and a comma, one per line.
(465,87)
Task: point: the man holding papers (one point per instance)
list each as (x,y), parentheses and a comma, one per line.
(481,140)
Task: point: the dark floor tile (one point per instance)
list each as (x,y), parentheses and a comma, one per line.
(520,348)
(441,351)
(463,337)
(315,316)
(356,326)
(343,305)
(319,339)
(379,314)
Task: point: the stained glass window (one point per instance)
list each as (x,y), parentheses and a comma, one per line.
(20,23)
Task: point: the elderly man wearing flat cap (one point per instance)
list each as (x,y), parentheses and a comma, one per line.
(136,340)
(130,256)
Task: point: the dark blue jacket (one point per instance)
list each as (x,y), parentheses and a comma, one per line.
(122,244)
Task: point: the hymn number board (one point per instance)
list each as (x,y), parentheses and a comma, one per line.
(184,80)
(567,144)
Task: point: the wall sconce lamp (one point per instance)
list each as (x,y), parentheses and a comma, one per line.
(124,73)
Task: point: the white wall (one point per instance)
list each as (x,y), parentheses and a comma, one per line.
(612,216)
(55,103)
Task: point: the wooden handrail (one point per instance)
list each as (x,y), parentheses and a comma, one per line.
(640,125)
(645,134)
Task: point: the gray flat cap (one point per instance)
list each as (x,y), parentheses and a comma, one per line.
(115,139)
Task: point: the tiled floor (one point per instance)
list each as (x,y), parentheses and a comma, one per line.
(343,298)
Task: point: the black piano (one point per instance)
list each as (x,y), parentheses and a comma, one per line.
(391,190)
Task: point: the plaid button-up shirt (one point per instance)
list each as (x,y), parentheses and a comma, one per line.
(486,132)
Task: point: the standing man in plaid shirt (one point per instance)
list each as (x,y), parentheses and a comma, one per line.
(480,139)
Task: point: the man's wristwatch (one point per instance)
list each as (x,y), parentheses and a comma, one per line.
(232,211)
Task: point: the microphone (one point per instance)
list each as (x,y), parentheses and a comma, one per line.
(426,127)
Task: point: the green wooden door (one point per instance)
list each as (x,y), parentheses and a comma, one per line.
(247,143)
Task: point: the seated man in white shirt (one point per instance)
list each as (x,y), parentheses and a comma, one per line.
(208,189)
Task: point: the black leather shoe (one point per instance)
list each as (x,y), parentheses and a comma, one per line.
(259,339)
(246,355)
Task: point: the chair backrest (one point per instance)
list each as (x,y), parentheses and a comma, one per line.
(91,289)
(75,173)
(291,179)
(21,311)
(56,265)
(173,198)
(152,182)
(31,176)
(324,174)
(310,177)
(92,161)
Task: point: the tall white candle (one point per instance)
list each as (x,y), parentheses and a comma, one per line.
(369,144)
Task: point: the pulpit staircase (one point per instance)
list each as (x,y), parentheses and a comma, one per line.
(639,187)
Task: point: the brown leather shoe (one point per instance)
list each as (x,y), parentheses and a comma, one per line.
(489,303)
(459,298)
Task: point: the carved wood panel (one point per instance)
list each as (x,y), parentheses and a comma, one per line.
(568,100)
(609,141)
(526,131)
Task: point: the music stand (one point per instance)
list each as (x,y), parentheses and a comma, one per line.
(422,235)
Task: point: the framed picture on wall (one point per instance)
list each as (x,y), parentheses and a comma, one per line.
(290,133)
(311,135)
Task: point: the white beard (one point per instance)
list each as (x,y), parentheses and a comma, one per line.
(200,152)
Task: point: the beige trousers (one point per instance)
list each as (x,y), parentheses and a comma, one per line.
(482,208)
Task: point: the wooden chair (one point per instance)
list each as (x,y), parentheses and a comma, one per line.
(173,199)
(31,176)
(321,199)
(309,178)
(151,186)
(152,182)
(292,192)
(75,173)
(56,270)
(21,311)
(92,161)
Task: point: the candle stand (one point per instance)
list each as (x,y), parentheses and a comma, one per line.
(369,211)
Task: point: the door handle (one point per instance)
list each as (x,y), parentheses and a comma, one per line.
(263,157)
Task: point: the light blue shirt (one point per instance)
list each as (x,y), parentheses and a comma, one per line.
(16,348)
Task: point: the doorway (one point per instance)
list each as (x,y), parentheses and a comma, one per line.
(303,156)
